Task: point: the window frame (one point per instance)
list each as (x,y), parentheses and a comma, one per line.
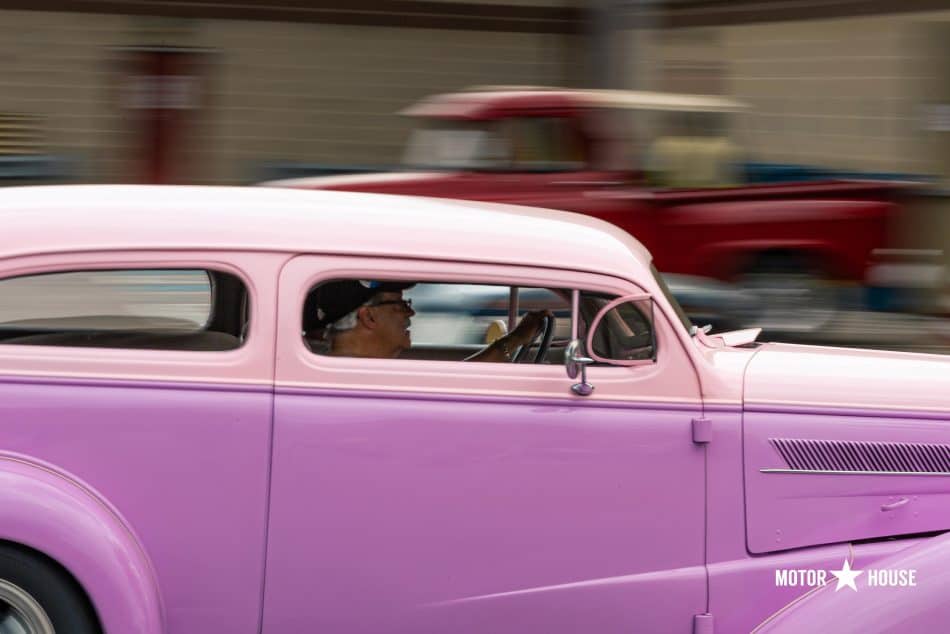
(251,363)
(299,368)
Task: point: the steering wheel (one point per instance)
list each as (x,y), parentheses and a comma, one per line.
(545,334)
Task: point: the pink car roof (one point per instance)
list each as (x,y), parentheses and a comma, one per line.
(53,219)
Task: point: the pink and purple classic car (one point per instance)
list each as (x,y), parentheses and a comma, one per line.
(186,445)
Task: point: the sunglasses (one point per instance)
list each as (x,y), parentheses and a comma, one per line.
(405,304)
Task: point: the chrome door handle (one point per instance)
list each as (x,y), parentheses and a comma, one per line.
(894,505)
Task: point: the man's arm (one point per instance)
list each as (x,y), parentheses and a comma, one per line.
(502,349)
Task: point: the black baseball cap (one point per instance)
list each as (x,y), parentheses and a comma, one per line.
(334,300)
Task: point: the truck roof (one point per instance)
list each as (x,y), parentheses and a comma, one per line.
(491,102)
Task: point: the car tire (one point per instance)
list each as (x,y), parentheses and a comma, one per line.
(38,597)
(794,295)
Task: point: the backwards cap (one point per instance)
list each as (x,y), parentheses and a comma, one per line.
(335,300)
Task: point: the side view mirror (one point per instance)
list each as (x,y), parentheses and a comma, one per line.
(576,363)
(622,332)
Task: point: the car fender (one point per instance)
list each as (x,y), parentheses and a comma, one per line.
(48,510)
(924,607)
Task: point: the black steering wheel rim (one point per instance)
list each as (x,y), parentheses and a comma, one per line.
(546,334)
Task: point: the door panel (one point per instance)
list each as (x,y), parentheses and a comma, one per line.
(411,511)
(185,465)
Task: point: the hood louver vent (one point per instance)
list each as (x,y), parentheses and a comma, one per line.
(856,456)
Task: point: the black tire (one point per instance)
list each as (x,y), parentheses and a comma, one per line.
(48,584)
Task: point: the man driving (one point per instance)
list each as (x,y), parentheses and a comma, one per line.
(363,318)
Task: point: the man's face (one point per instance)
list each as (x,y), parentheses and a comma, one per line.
(393,318)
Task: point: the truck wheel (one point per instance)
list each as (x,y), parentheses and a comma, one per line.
(794,296)
(38,597)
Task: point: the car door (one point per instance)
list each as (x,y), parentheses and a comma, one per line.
(139,376)
(410,495)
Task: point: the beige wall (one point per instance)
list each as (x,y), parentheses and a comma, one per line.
(276,91)
(53,66)
(841,93)
(328,94)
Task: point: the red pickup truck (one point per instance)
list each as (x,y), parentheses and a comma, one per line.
(794,244)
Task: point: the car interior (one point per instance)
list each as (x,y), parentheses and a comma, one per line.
(466,318)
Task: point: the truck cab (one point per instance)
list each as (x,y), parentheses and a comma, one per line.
(662,167)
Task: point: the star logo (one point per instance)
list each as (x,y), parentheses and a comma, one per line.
(846,576)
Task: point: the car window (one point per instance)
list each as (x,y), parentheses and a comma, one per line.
(175,309)
(448,321)
(625,332)
(451,322)
(674,302)
(450,314)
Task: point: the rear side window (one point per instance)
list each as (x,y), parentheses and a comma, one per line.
(160,309)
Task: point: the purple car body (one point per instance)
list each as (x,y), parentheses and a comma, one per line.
(269,489)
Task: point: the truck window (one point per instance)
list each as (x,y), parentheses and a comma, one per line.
(531,144)
(461,145)
(545,144)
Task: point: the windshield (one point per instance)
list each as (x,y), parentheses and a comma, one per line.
(684,319)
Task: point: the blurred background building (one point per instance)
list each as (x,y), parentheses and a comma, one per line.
(196,91)
(207,92)
(857,84)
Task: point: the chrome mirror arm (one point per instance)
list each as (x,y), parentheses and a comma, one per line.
(574,362)
(583,388)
